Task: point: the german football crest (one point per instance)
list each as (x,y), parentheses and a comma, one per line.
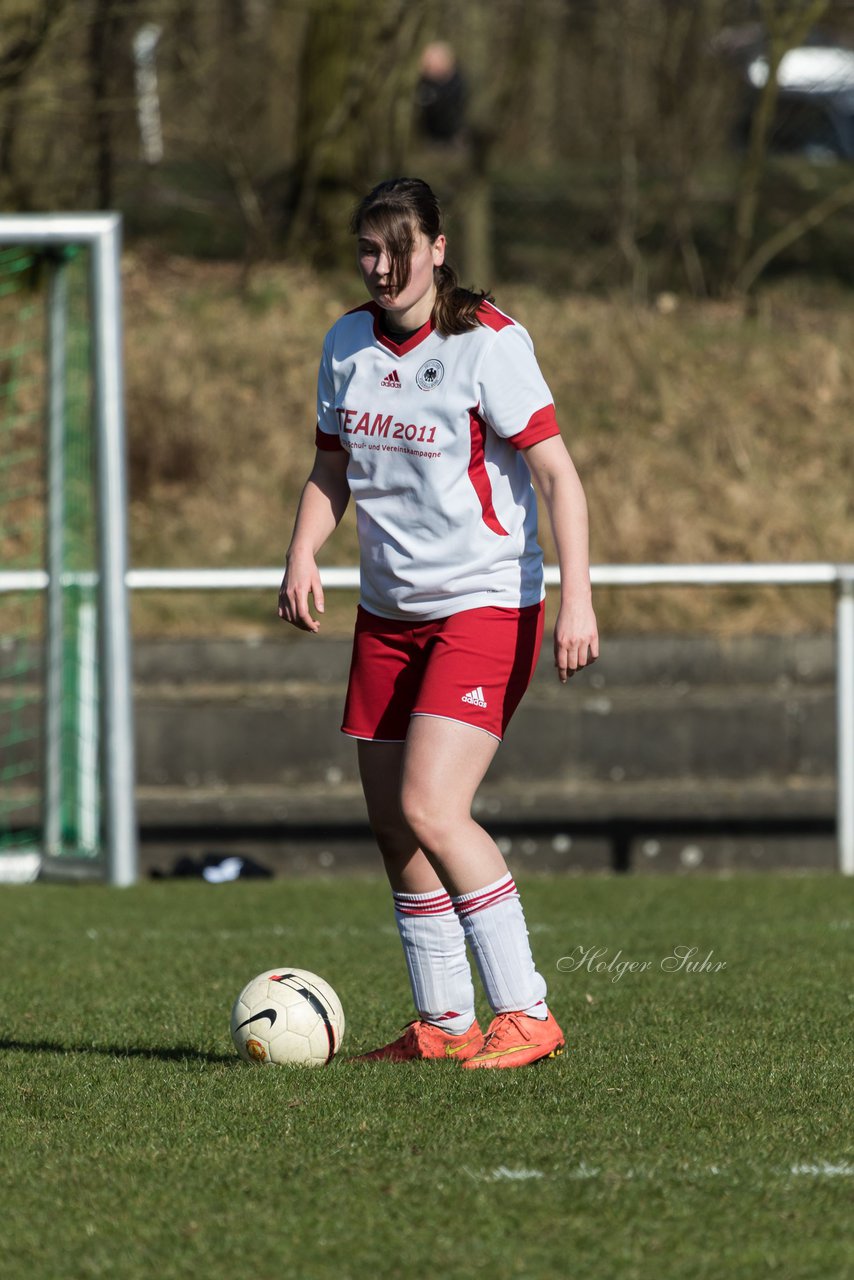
(430,375)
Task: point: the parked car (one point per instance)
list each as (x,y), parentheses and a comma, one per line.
(815,105)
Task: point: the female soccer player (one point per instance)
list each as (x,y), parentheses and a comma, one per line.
(434,415)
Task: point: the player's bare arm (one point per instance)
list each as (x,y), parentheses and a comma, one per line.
(322,505)
(576,635)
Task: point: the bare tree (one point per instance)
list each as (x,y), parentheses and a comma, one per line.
(811,218)
(786,23)
(691,118)
(105,34)
(358,63)
(26,39)
(502,53)
(626,16)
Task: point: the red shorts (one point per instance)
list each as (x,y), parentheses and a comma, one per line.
(473,666)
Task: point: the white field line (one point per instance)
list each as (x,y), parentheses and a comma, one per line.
(583,1171)
(503,1174)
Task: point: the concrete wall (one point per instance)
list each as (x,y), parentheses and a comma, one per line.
(663,743)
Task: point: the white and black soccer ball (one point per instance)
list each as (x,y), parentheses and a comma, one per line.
(287,1016)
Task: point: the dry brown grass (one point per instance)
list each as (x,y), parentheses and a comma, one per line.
(700,436)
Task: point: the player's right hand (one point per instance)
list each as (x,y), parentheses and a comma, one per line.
(301,580)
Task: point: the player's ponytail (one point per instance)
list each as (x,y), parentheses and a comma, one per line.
(455,309)
(393,209)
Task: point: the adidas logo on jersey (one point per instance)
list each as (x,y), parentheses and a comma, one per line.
(392,380)
(475,697)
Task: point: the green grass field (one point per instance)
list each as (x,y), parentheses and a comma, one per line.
(699,1124)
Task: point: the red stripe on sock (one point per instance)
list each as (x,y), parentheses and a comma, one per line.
(479,902)
(430,905)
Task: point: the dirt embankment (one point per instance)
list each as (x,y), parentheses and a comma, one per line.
(700,436)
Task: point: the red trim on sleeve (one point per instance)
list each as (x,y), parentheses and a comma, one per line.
(542,425)
(492,318)
(325,440)
(478,476)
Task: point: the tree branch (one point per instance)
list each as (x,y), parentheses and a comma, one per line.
(787,27)
(15,60)
(758,261)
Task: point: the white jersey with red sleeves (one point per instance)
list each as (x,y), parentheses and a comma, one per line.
(434,427)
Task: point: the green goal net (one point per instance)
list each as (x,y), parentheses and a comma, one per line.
(21,501)
(65,722)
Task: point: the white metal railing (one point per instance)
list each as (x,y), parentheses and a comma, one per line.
(816,574)
(838,576)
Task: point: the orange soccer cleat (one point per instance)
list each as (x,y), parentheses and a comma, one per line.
(425,1041)
(517,1040)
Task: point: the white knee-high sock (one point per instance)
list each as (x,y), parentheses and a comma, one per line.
(434,945)
(494,925)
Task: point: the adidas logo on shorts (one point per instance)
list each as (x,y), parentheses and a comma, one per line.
(392,380)
(475,697)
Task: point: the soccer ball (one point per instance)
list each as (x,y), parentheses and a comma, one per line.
(287,1016)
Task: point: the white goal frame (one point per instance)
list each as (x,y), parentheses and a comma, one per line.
(100,234)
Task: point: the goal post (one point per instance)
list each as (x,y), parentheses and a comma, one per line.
(66,749)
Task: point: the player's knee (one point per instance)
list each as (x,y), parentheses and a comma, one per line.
(426,815)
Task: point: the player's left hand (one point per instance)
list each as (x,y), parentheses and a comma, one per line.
(301,583)
(576,638)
